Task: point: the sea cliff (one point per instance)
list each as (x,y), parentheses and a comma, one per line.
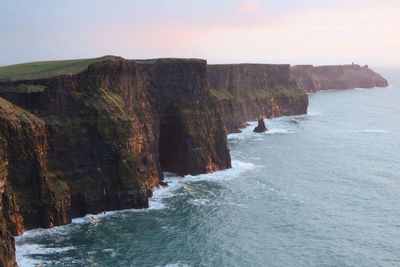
(247,92)
(314,79)
(87,136)
(7,248)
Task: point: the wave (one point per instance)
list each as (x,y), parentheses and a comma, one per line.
(371,131)
(280,125)
(279,131)
(375,131)
(24,251)
(238,168)
(27,245)
(175,265)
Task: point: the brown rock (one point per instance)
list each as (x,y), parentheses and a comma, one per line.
(261,128)
(7,247)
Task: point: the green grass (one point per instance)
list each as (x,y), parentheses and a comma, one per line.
(46,69)
(221,94)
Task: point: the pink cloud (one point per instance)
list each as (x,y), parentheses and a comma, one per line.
(250,6)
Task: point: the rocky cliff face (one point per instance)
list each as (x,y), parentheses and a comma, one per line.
(34,195)
(246,92)
(314,79)
(7,249)
(99,139)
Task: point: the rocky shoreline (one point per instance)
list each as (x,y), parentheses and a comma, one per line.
(98,137)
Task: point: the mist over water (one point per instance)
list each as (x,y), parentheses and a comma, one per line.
(316,190)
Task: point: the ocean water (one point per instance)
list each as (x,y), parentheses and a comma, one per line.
(316,190)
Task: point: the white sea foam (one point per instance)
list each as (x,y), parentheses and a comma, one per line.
(374,131)
(24,251)
(25,248)
(248,134)
(279,131)
(238,167)
(199,201)
(367,131)
(176,265)
(281,125)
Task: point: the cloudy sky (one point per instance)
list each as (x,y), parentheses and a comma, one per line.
(221,31)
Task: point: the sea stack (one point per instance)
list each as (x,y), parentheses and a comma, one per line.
(246,92)
(261,128)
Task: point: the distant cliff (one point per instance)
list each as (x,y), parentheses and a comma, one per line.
(314,79)
(246,92)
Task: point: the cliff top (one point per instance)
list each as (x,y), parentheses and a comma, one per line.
(247,64)
(48,69)
(351,66)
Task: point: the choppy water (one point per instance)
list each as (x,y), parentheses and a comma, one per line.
(317,190)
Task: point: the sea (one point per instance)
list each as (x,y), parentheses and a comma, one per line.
(322,189)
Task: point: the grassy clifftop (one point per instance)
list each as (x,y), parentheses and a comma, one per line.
(47,69)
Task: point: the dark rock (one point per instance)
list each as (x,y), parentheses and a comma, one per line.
(163,184)
(261,128)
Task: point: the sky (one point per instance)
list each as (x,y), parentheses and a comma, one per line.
(221,31)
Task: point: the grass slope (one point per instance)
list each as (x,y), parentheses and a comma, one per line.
(46,69)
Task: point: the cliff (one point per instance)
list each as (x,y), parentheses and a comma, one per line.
(314,79)
(96,136)
(86,136)
(7,249)
(247,92)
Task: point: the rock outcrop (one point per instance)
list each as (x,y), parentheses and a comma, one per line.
(313,79)
(261,128)
(245,92)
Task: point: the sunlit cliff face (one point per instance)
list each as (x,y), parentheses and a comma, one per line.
(296,31)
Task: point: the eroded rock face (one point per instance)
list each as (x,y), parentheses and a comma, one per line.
(313,79)
(99,140)
(7,248)
(34,196)
(243,92)
(192,139)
